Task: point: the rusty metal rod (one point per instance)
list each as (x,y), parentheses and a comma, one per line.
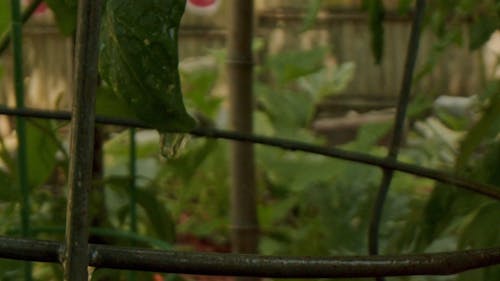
(444,177)
(75,261)
(102,256)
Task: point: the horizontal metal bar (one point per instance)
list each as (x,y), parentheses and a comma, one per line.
(447,178)
(101,256)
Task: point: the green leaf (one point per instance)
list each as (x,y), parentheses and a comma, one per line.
(139,60)
(481,30)
(328,81)
(65,14)
(42,145)
(159,216)
(376,15)
(288,66)
(198,84)
(483,230)
(312,12)
(160,219)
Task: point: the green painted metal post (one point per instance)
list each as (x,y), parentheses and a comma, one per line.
(133,188)
(22,172)
(30,10)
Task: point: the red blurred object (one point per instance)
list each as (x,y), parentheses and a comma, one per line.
(202,3)
(41,8)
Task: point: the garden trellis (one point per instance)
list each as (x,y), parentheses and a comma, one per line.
(76,254)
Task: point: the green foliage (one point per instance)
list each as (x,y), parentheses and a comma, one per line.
(376,14)
(65,14)
(139,60)
(481,30)
(486,128)
(4,16)
(456,219)
(161,224)
(42,145)
(312,12)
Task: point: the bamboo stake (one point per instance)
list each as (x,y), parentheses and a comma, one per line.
(75,260)
(240,72)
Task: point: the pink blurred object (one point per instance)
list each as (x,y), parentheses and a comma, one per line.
(41,8)
(203,7)
(202,3)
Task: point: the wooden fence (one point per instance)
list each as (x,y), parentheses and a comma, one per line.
(340,26)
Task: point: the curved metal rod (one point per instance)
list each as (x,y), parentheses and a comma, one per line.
(447,178)
(102,256)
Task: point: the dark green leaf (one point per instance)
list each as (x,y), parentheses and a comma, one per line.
(65,13)
(139,60)
(159,216)
(108,105)
(481,30)
(483,230)
(376,15)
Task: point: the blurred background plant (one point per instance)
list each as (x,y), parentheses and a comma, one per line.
(308,204)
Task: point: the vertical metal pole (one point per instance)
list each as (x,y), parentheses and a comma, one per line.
(240,72)
(133,191)
(397,137)
(75,259)
(22,174)
(27,13)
